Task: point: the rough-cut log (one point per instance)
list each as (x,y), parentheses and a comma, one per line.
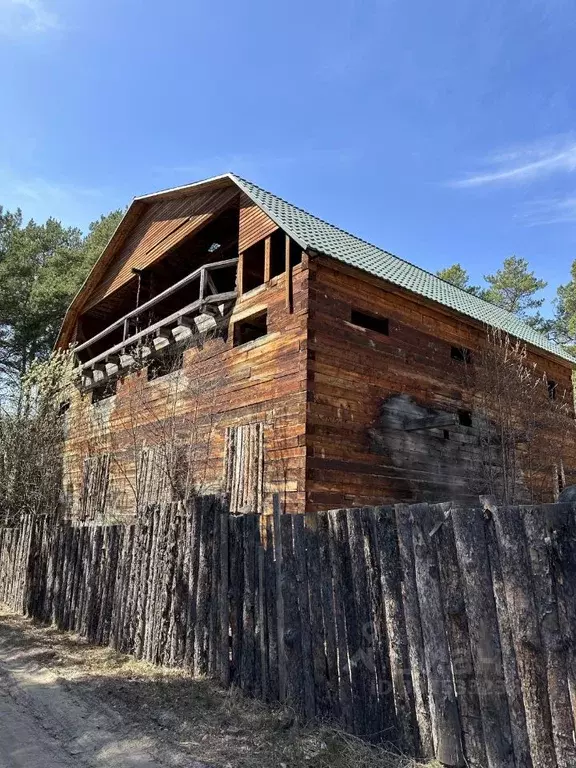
(292,632)
(392,639)
(304,611)
(417,664)
(519,591)
(489,686)
(543,526)
(445,717)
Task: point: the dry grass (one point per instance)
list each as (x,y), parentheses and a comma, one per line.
(220,727)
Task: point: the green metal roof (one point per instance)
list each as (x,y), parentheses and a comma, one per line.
(311,232)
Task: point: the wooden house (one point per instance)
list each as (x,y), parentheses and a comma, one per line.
(228,341)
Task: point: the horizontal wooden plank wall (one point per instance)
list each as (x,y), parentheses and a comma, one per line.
(220,386)
(255,225)
(160,228)
(446,630)
(351,373)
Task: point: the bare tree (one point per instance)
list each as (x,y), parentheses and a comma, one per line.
(33,422)
(525,423)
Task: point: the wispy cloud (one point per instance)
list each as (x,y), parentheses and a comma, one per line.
(524,164)
(26,17)
(550,211)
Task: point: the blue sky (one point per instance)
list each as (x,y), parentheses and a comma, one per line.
(442,132)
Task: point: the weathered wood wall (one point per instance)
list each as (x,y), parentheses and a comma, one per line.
(220,386)
(353,372)
(445,629)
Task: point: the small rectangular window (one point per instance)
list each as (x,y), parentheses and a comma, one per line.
(552,389)
(370,322)
(465,418)
(250,329)
(461,354)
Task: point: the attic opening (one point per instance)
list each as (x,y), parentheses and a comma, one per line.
(213,244)
(267,259)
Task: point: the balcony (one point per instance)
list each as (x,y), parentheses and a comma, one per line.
(139,336)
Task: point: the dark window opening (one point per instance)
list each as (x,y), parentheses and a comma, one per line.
(253,272)
(461,354)
(104,391)
(277,253)
(165,363)
(552,388)
(465,418)
(63,407)
(446,434)
(370,322)
(250,329)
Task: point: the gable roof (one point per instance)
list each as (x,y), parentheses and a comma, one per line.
(312,233)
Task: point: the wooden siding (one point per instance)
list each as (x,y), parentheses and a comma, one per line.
(220,386)
(254,224)
(353,371)
(160,228)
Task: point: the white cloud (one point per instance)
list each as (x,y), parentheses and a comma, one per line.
(524,164)
(550,211)
(26,17)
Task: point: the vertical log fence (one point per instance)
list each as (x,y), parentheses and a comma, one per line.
(449,631)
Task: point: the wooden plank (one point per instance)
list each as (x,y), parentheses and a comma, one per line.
(331,693)
(249,644)
(299,543)
(224,598)
(292,637)
(543,526)
(475,629)
(240,276)
(267,250)
(273,692)
(344,672)
(237,594)
(203,596)
(194,529)
(414,634)
(444,709)
(365,666)
(281,649)
(314,581)
(560,522)
(392,650)
(511,674)
(518,585)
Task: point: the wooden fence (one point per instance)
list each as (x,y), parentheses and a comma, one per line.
(449,631)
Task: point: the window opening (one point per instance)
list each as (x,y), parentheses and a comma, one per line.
(250,329)
(370,322)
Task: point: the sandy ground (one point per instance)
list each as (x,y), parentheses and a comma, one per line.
(48,722)
(64,702)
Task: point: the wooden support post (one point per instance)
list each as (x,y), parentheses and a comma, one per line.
(240,276)
(267,250)
(288,272)
(202,283)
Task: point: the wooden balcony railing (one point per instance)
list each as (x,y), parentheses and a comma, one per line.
(153,337)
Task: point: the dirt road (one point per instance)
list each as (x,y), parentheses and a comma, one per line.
(47,723)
